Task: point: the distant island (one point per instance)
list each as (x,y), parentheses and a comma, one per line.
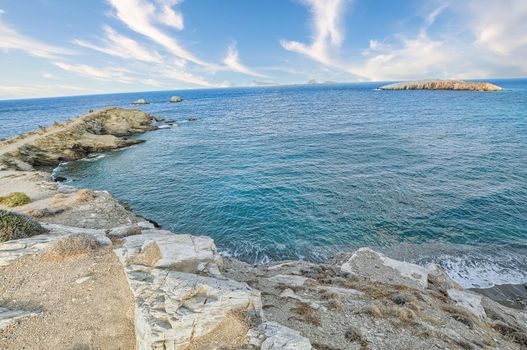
(437,84)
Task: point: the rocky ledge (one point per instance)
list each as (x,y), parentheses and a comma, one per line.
(74,139)
(442,85)
(103,277)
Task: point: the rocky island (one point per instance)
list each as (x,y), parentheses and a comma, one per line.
(80,270)
(442,85)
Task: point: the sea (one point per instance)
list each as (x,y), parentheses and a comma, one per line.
(309,171)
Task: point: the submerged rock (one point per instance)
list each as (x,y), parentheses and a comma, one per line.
(442,85)
(175,99)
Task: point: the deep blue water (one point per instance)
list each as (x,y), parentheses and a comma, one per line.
(306,171)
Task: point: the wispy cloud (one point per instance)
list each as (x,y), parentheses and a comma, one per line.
(118,45)
(169,16)
(327,30)
(142,16)
(11,39)
(22,91)
(118,74)
(501,28)
(233,62)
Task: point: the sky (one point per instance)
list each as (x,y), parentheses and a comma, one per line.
(78,47)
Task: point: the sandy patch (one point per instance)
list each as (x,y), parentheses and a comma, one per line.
(85,302)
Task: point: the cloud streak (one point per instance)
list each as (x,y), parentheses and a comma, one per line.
(10,39)
(141,16)
(232,61)
(121,46)
(327,30)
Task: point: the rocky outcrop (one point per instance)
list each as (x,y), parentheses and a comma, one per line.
(140,101)
(74,139)
(175,99)
(442,85)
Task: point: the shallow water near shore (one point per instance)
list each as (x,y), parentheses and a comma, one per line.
(307,171)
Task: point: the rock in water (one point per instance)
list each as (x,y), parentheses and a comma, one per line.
(175,99)
(442,85)
(141,101)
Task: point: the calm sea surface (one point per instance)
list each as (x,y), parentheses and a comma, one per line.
(306,171)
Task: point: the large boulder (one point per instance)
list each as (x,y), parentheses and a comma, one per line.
(140,101)
(173,309)
(175,99)
(377,267)
(185,253)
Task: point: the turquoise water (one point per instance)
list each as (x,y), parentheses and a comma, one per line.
(306,171)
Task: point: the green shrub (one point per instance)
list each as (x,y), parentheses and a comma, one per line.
(16,226)
(15,199)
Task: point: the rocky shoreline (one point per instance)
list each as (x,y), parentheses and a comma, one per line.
(174,291)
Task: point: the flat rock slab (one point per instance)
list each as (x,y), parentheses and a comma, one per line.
(469,301)
(379,268)
(10,316)
(274,336)
(185,253)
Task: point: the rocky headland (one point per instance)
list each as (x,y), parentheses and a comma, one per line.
(98,276)
(437,84)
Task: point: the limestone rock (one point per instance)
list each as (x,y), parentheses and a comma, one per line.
(184,253)
(288,280)
(173,308)
(468,300)
(379,268)
(140,101)
(10,316)
(63,231)
(175,99)
(124,231)
(273,336)
(439,278)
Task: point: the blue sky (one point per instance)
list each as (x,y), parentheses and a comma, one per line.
(58,47)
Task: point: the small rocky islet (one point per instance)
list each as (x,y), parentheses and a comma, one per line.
(175,291)
(437,84)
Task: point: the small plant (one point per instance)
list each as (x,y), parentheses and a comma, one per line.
(16,226)
(15,199)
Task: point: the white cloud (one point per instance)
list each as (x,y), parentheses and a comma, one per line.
(328,33)
(10,39)
(119,45)
(412,58)
(233,62)
(183,76)
(498,49)
(170,17)
(108,73)
(141,16)
(48,75)
(501,29)
(23,91)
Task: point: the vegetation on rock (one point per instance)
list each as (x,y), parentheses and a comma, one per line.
(15,199)
(16,226)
